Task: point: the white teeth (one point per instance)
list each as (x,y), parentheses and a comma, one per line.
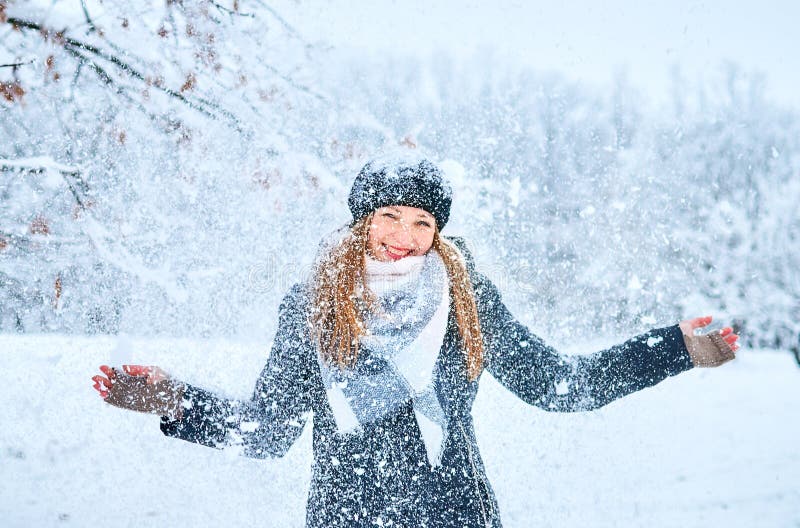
(394,253)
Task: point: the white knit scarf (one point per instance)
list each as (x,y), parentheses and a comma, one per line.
(397,358)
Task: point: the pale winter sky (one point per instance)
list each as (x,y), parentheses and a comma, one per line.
(585,40)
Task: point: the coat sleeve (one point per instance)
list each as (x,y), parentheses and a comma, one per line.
(540,376)
(269,423)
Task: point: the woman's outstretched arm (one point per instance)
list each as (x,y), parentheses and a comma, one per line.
(265,425)
(540,376)
(271,421)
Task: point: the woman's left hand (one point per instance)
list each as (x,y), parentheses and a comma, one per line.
(711,349)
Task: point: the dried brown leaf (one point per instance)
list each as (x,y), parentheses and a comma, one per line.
(77,209)
(12,91)
(409,141)
(189,84)
(39,226)
(268,95)
(265,179)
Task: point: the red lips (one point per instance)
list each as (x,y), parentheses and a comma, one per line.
(396,253)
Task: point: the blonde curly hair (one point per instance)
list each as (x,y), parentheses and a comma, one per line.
(340,293)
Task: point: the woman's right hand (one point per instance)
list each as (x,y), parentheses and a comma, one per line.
(140,388)
(711,349)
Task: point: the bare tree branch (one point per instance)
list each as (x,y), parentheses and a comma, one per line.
(89,20)
(297,86)
(122,91)
(75,47)
(72,178)
(231,11)
(15,64)
(288,27)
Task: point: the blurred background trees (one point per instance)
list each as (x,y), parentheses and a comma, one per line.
(170,168)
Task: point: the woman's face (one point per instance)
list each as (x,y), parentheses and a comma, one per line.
(398,231)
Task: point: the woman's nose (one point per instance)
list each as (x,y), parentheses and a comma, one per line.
(403,235)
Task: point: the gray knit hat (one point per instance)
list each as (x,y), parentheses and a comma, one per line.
(409,181)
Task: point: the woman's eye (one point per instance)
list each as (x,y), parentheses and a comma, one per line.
(423,223)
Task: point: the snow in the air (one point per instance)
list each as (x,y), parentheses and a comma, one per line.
(169,170)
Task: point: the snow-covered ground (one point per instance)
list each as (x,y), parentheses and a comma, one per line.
(715,447)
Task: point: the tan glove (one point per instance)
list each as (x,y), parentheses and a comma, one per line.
(145,389)
(709,350)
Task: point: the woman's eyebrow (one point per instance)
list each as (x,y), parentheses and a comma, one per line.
(423,214)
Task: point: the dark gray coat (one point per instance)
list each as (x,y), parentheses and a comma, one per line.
(382,471)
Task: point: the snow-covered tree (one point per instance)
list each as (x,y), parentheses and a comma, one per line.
(212,145)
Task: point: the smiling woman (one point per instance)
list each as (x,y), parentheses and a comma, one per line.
(385,346)
(400,231)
